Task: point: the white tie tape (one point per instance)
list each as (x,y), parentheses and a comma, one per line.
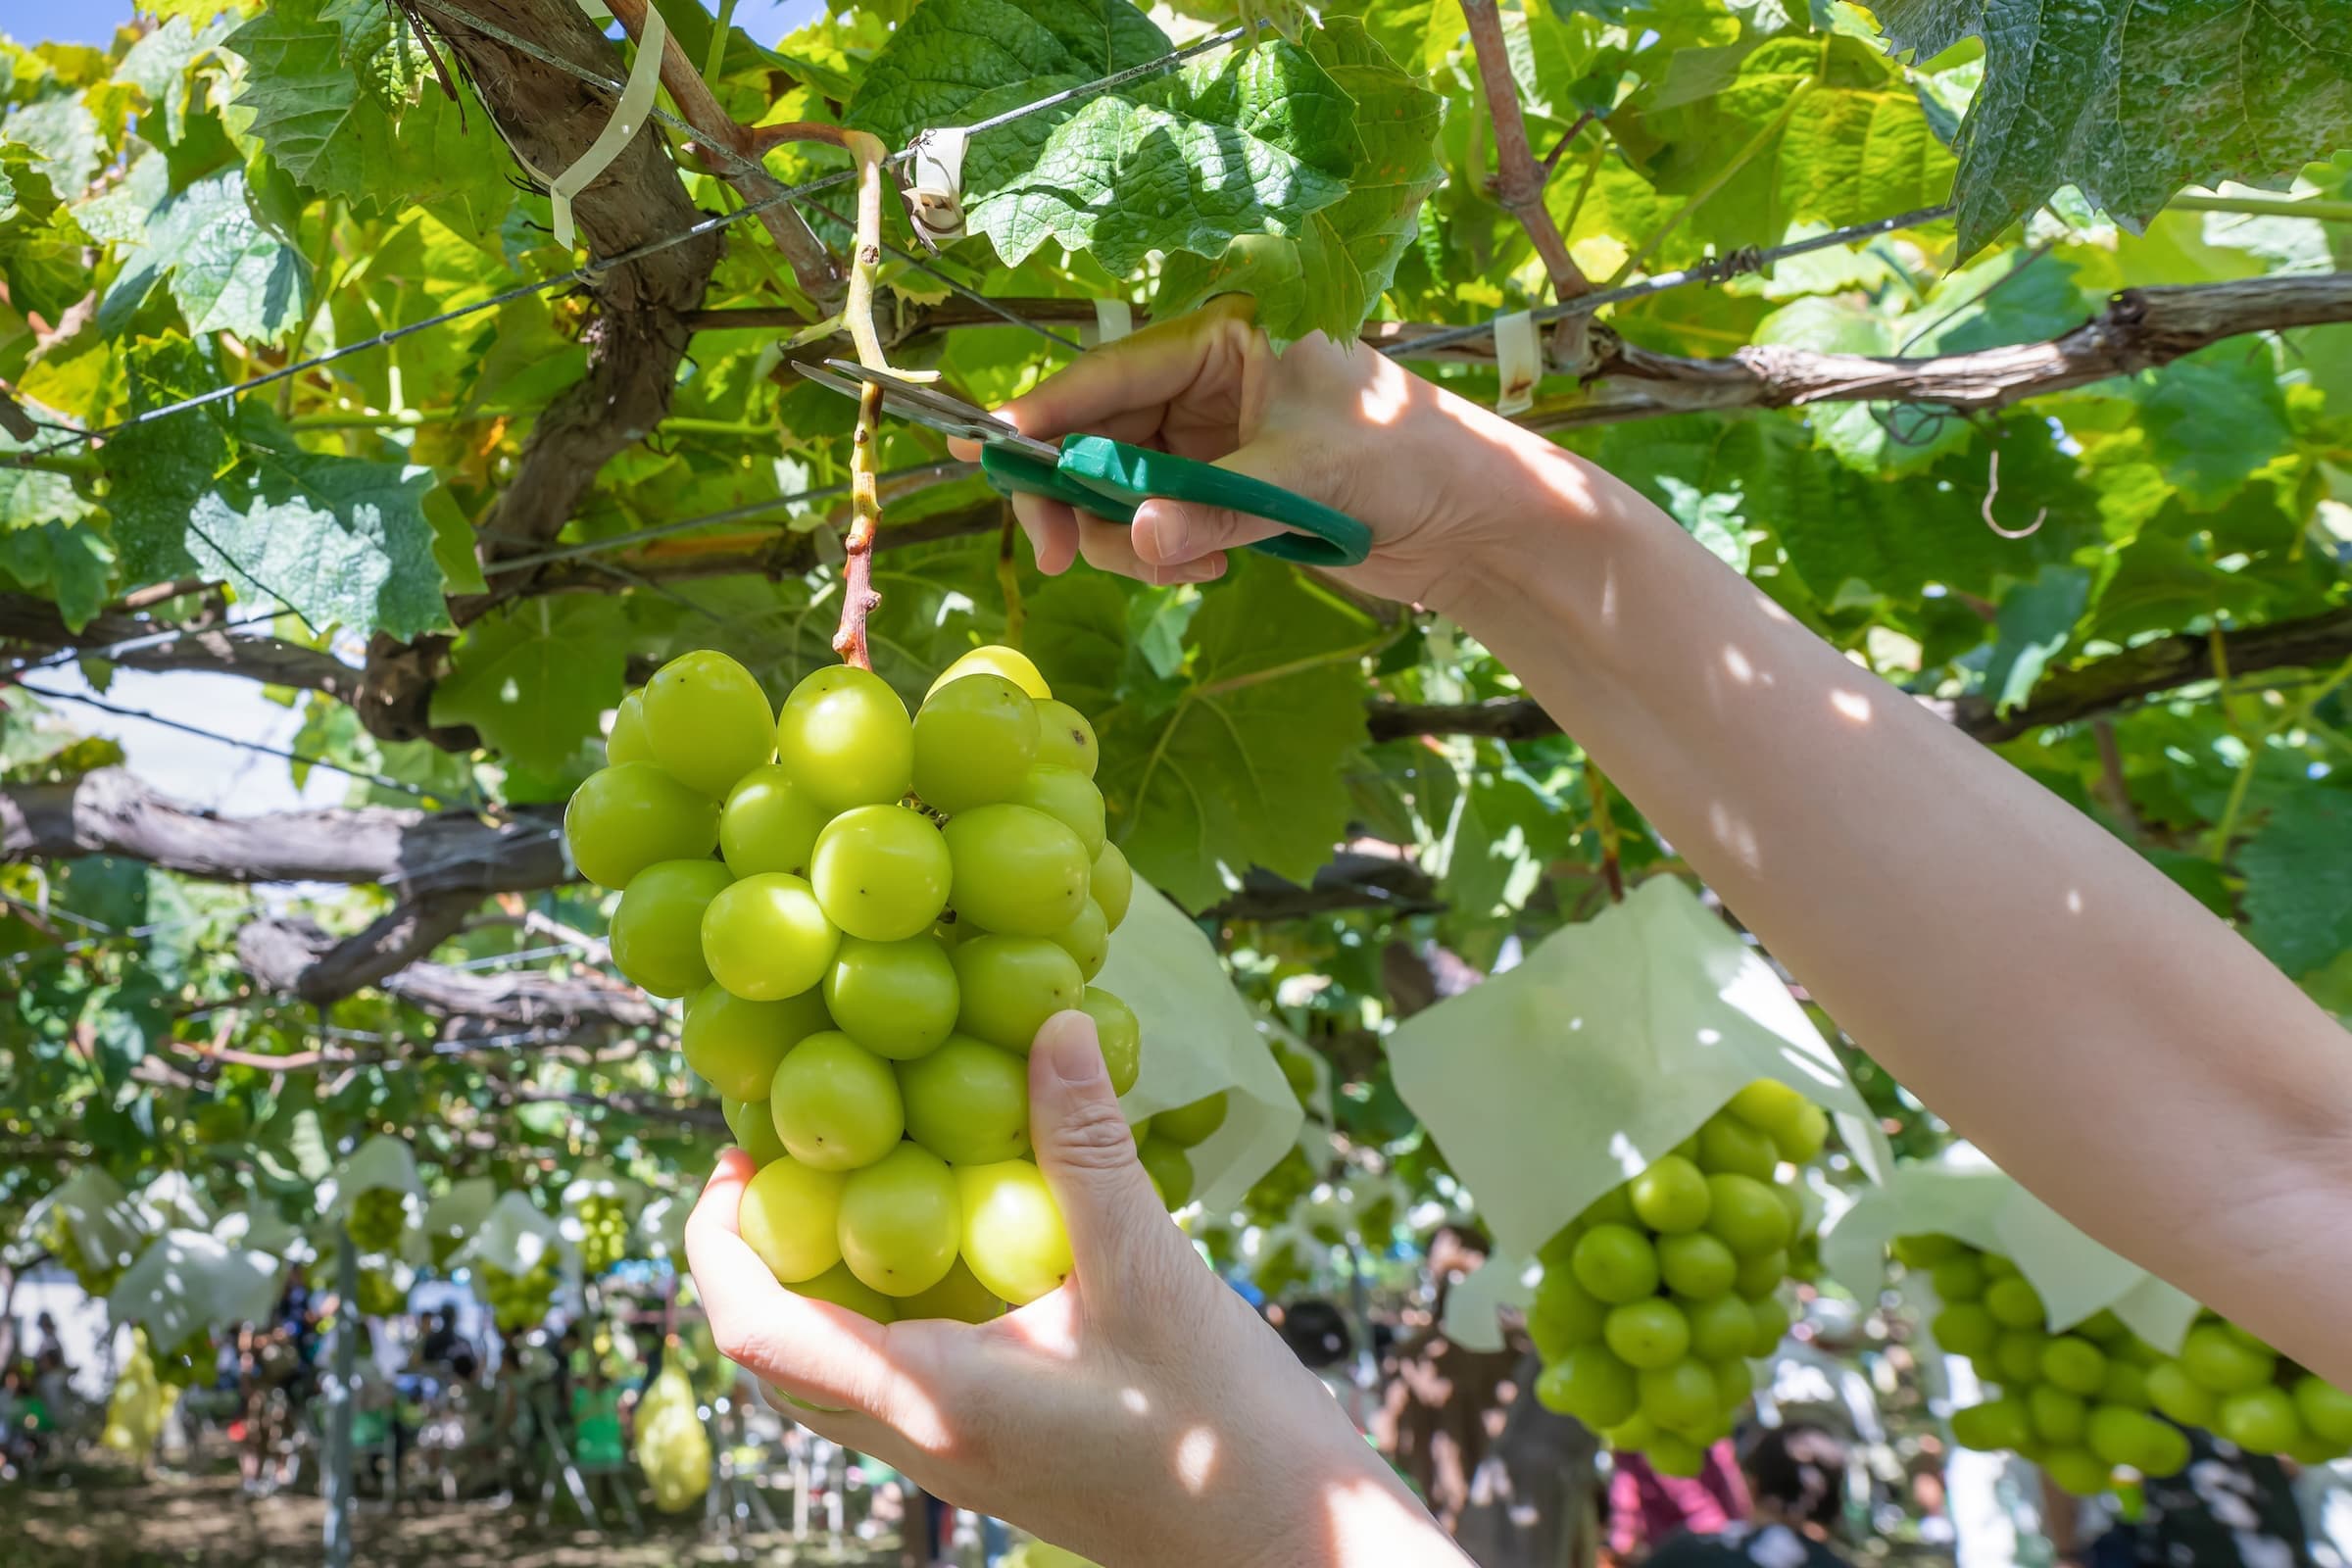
(1519,358)
(628,117)
(1113,321)
(934,182)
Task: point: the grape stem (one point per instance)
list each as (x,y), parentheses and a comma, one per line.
(858,599)
(1009,578)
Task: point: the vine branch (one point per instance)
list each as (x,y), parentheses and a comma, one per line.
(858,599)
(1518,177)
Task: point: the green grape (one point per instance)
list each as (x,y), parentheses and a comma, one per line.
(967,1102)
(1111,884)
(1727,1144)
(1068,796)
(1171,1173)
(1564,1315)
(1966,1329)
(2058,1416)
(1006,664)
(1009,985)
(2014,1303)
(769,823)
(1773,1319)
(1744,1214)
(2073,1364)
(1065,739)
(1767,1105)
(902,1219)
(1679,1397)
(1671,1195)
(707,720)
(379,1295)
(2017,1355)
(847,739)
(376,1218)
(2077,1471)
(2118,1436)
(2326,1410)
(754,1129)
(847,1291)
(881,872)
(975,740)
(658,931)
(629,741)
(895,999)
(835,1105)
(959,1298)
(2123,1384)
(1801,1142)
(765,938)
(1086,939)
(1017,870)
(1733,1382)
(1672,1455)
(1120,1035)
(735,1044)
(1590,1383)
(1761,1275)
(1188,1125)
(1926,1251)
(2260,1420)
(2224,1362)
(1994,1425)
(1616,1264)
(1649,1333)
(626,817)
(788,1215)
(1012,1232)
(1698,1266)
(1957,1279)
(1720,1326)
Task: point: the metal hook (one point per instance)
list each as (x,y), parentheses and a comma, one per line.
(1992,490)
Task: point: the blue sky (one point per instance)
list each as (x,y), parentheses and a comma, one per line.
(95,20)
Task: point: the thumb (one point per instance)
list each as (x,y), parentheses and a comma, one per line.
(1083,1146)
(1170,532)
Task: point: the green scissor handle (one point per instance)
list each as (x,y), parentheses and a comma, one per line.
(1110,479)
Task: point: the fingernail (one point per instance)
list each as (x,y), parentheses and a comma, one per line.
(1070,1051)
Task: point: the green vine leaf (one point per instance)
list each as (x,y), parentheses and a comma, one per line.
(2132,99)
(228,270)
(2298,871)
(535,680)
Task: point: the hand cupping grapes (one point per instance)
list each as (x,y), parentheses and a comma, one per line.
(896,906)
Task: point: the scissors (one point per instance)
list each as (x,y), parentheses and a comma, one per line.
(1109,478)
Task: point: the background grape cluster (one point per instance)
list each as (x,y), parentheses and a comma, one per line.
(870,915)
(2087,1402)
(1654,1299)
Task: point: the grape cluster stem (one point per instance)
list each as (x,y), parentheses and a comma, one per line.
(858,598)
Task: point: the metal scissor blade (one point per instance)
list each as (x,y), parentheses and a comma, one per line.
(928,407)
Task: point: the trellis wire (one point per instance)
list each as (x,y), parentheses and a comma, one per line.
(589,271)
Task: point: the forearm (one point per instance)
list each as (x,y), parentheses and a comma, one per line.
(2037,983)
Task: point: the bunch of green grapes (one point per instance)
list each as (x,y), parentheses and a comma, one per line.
(1654,1299)
(673,1447)
(188,1363)
(95,1273)
(379,1295)
(377,1218)
(604,1233)
(2085,1404)
(895,907)
(1161,1141)
(519,1303)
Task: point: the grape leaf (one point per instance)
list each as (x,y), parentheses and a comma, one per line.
(1330,274)
(2213,419)
(2033,622)
(341,101)
(67,565)
(63,136)
(1121,173)
(535,680)
(2298,871)
(2131,100)
(157,65)
(1244,767)
(41,242)
(228,271)
(344,541)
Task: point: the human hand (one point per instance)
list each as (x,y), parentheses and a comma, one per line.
(1436,478)
(1140,1414)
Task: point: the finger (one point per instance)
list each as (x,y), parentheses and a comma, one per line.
(1141,372)
(823,1353)
(1110,547)
(1087,1153)
(1053,530)
(1170,533)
